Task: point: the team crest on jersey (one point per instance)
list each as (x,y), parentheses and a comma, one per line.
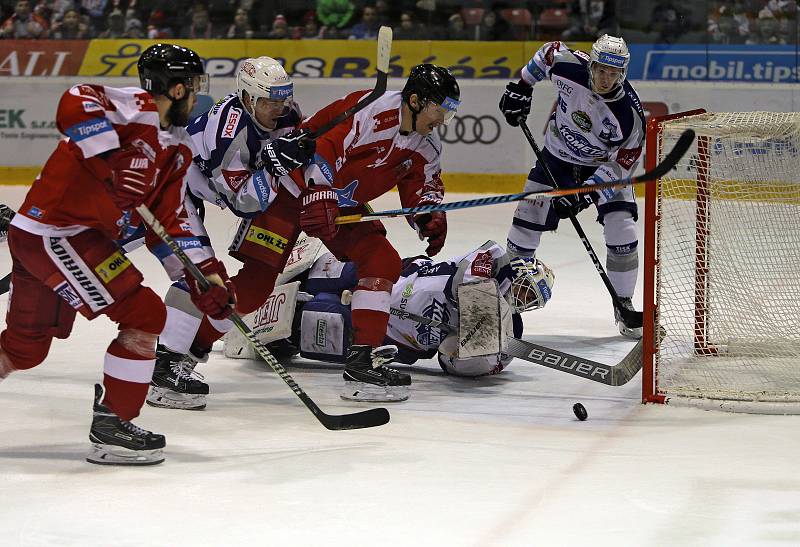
(386,120)
(482,265)
(345,194)
(229,128)
(235,179)
(582,120)
(426,335)
(626,157)
(554,48)
(578,144)
(610,131)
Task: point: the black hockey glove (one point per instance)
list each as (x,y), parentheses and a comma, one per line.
(287,153)
(516,102)
(573,204)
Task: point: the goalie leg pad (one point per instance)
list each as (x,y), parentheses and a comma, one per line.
(325,329)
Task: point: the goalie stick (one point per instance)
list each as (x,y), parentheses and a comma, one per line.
(358,420)
(669,161)
(610,375)
(631,318)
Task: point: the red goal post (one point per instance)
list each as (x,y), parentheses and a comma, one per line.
(722,264)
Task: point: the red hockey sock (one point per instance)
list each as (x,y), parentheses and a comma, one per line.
(126,378)
(369,327)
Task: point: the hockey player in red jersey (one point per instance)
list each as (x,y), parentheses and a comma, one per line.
(390,143)
(124,148)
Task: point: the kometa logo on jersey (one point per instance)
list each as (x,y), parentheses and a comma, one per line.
(579,144)
(230,123)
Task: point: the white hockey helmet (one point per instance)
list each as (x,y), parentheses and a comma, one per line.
(263,77)
(610,51)
(532,284)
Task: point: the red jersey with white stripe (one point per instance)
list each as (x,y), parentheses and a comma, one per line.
(71,194)
(366,156)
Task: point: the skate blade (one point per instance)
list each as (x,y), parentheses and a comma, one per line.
(109,454)
(370,393)
(162,397)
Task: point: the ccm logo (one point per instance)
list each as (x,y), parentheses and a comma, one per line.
(230,123)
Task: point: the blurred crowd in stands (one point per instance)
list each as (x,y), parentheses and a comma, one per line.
(653,21)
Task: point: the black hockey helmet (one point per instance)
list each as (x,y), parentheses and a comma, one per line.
(161,66)
(435,84)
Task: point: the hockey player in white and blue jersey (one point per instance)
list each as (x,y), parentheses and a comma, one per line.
(595,134)
(427,289)
(226,171)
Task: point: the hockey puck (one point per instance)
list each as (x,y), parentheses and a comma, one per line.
(580,411)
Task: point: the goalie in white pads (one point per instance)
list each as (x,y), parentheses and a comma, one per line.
(433,312)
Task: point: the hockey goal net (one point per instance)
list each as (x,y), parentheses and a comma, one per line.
(722,263)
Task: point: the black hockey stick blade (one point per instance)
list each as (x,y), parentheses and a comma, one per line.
(357,420)
(5,284)
(633,319)
(384,53)
(669,161)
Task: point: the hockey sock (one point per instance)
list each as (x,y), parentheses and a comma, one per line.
(126,378)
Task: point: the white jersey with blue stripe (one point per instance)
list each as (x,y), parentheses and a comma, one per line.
(586,128)
(227,148)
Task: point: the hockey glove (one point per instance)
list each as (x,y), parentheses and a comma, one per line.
(287,153)
(573,204)
(132,177)
(516,102)
(219,299)
(319,212)
(434,227)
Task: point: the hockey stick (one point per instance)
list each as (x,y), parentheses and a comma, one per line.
(358,420)
(5,284)
(631,318)
(669,161)
(611,375)
(384,52)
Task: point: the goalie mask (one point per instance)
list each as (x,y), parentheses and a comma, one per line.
(532,284)
(609,51)
(264,78)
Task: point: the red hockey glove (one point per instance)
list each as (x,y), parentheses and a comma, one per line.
(219,299)
(132,177)
(320,209)
(434,227)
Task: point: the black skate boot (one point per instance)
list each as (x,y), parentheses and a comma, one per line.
(175,383)
(366,378)
(625,330)
(118,442)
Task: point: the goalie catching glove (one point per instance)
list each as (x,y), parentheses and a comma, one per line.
(516,102)
(287,153)
(432,226)
(573,204)
(218,300)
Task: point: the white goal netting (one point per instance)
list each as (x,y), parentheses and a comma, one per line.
(728,263)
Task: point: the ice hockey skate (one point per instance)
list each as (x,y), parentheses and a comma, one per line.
(625,330)
(367,378)
(118,442)
(175,383)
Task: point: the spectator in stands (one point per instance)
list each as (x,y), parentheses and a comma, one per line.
(133,26)
(367,29)
(280,28)
(384,13)
(311,30)
(334,16)
(409,29)
(494,28)
(668,21)
(157,27)
(456,30)
(115,26)
(70,27)
(201,26)
(591,19)
(240,28)
(24,24)
(96,10)
(60,7)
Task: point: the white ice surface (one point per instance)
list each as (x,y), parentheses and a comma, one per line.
(498,461)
